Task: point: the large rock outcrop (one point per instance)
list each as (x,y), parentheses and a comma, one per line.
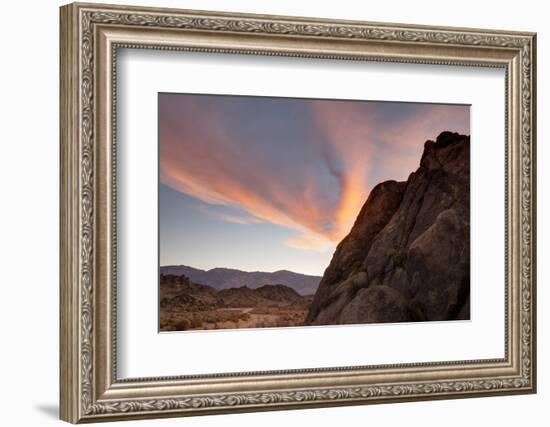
(407,257)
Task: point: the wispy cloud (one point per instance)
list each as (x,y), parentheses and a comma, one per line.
(305,165)
(228,217)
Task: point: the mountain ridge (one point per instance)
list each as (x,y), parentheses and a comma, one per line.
(224,278)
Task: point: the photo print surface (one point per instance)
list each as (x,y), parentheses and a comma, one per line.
(278,212)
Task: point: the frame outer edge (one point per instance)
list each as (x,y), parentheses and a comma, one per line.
(69,391)
(78,340)
(534,270)
(305,19)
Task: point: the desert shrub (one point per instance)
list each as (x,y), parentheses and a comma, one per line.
(167,327)
(195,323)
(183,325)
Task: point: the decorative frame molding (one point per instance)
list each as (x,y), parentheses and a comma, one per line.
(90,36)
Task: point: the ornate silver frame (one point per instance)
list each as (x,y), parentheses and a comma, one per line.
(90,36)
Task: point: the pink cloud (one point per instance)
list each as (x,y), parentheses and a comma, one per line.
(358,145)
(200,161)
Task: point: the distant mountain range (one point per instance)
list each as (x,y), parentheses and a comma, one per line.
(225,278)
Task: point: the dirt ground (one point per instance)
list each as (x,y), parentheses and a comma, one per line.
(232,318)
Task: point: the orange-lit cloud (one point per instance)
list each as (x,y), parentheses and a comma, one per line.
(346,144)
(352,146)
(210,170)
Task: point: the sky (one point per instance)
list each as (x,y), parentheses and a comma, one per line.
(267,184)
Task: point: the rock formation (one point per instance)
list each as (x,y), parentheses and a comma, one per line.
(407,257)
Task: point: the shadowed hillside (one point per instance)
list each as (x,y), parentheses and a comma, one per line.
(186,305)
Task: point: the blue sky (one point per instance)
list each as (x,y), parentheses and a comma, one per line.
(259,183)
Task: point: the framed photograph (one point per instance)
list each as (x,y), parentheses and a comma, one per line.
(265,212)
